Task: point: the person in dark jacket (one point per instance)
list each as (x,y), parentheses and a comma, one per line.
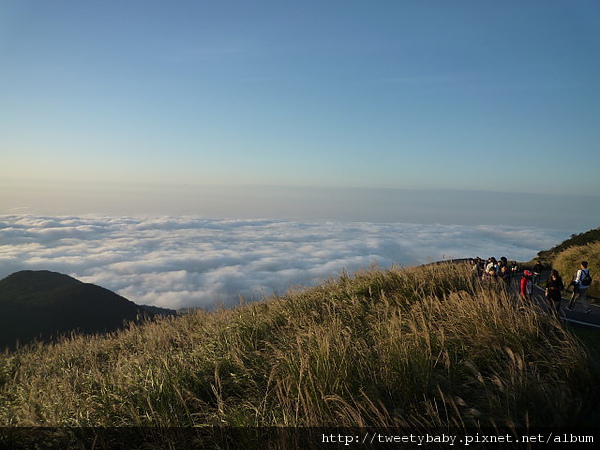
(537,272)
(554,289)
(505,275)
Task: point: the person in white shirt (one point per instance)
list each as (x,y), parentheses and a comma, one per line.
(580,287)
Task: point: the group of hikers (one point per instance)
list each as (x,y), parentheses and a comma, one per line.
(494,271)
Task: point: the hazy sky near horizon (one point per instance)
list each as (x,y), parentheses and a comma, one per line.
(144,98)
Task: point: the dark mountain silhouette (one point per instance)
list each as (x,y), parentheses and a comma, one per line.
(43,305)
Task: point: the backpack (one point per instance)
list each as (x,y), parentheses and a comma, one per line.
(586,278)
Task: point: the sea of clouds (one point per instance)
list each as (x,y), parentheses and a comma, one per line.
(179,262)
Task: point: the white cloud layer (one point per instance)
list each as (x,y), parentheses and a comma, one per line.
(179,262)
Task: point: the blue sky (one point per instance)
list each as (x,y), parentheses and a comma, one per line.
(411,95)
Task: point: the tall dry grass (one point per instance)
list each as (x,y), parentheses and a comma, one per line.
(426,346)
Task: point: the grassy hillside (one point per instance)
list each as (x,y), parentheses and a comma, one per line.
(567,263)
(576,240)
(418,347)
(566,257)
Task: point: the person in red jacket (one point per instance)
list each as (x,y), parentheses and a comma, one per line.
(526,285)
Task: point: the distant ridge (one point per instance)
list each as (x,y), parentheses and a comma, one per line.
(43,305)
(576,240)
